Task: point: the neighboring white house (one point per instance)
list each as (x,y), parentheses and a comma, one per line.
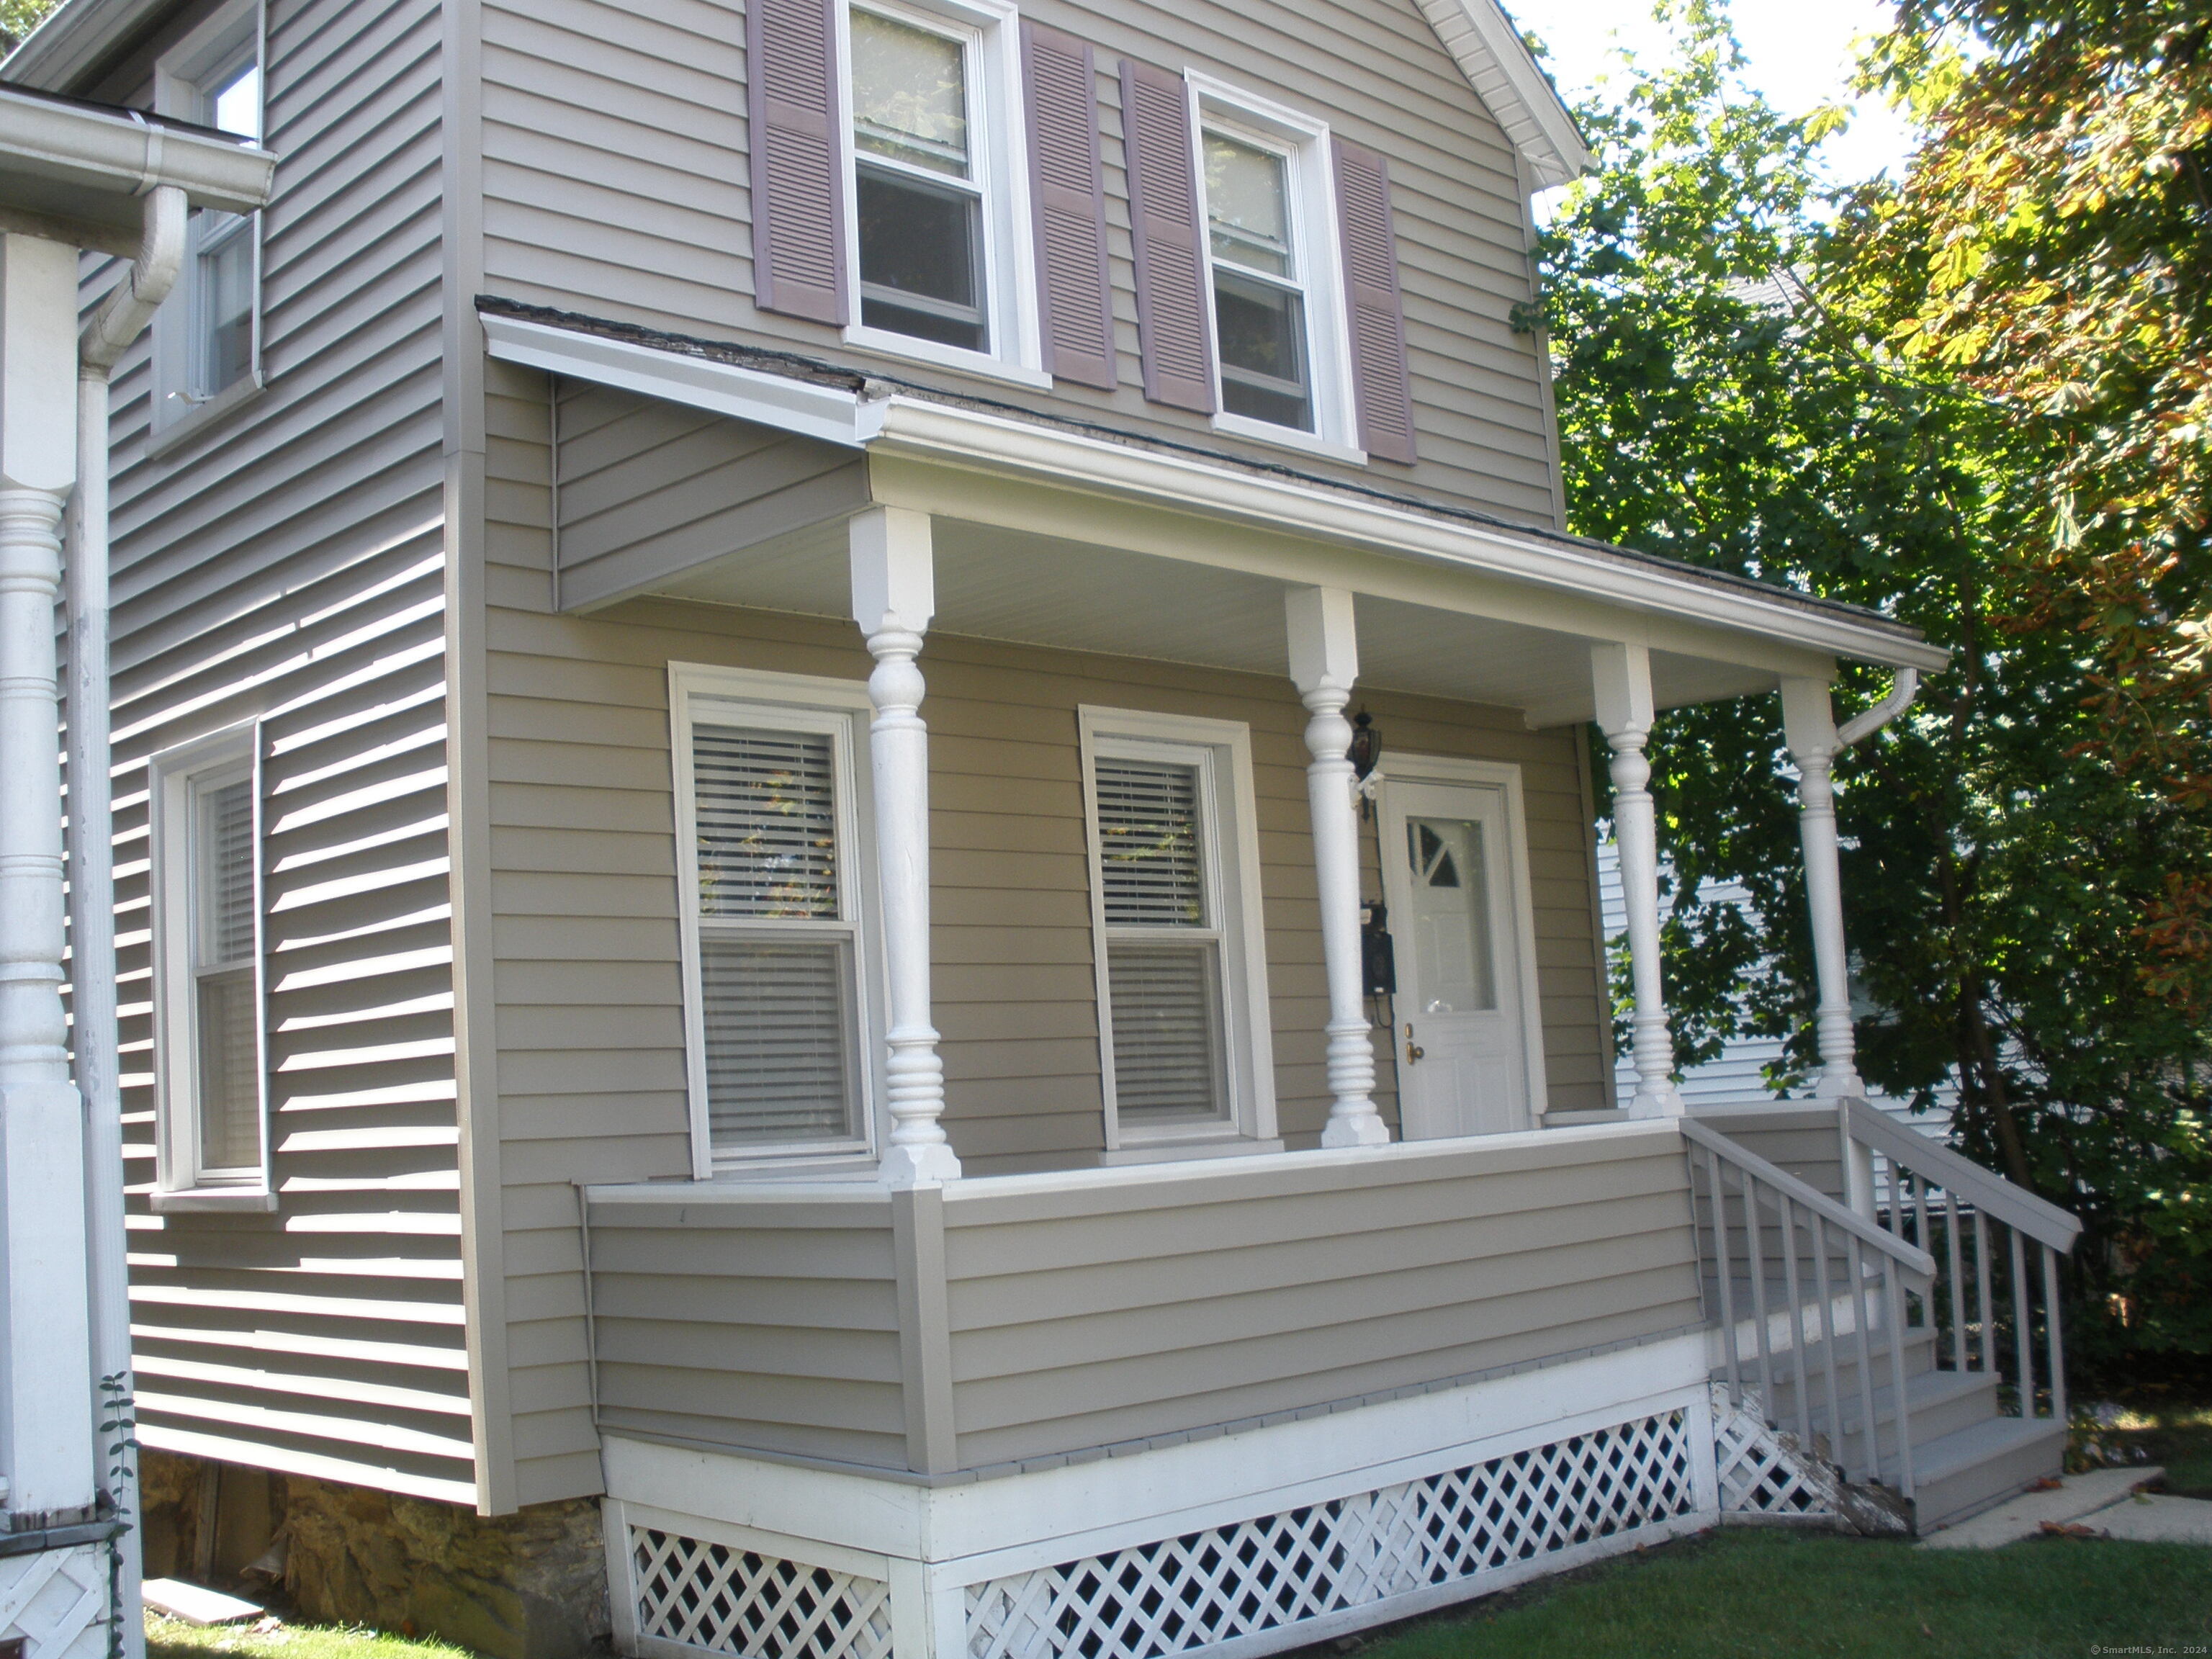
(1740,1072)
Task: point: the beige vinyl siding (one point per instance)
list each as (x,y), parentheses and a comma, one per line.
(1094,1318)
(773,1327)
(588,984)
(286,566)
(615,183)
(1802,1139)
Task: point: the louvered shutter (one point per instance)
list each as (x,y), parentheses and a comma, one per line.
(776,1008)
(1164,231)
(1374,304)
(1068,198)
(797,167)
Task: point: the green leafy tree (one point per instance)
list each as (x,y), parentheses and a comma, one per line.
(19,17)
(1730,394)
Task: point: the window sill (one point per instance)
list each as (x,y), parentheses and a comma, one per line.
(248,1200)
(893,345)
(1172,1151)
(198,417)
(1286,437)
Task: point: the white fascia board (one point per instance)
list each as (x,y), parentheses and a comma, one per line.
(948,434)
(123,154)
(1498,65)
(828,413)
(930,431)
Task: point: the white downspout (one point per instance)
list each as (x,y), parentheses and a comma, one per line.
(1868,721)
(119,320)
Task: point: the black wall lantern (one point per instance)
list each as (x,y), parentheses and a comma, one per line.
(1366,745)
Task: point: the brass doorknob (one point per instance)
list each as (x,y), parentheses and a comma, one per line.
(1414,1051)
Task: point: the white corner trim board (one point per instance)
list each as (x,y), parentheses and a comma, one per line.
(927,430)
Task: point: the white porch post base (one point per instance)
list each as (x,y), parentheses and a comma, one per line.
(893,598)
(1809,722)
(1324,664)
(1621,675)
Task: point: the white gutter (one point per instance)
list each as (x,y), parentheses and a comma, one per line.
(122,153)
(948,434)
(126,312)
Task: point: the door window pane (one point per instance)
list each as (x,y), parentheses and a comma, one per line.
(1454,963)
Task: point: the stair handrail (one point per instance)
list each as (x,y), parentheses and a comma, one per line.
(1915,1262)
(1986,1190)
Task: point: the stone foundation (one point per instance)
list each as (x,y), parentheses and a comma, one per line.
(530,1585)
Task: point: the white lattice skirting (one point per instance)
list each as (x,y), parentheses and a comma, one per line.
(1263,1583)
(56,1602)
(1763,1473)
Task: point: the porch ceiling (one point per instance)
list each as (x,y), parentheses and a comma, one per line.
(1021,586)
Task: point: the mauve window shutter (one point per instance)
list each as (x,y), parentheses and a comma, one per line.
(797,170)
(1165,231)
(1069,200)
(1379,384)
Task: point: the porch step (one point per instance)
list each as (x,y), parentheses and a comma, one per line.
(1967,1472)
(1941,1404)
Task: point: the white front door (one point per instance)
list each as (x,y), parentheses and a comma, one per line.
(1453,876)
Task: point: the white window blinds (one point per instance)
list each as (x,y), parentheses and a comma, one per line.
(1162,946)
(226,1037)
(776,942)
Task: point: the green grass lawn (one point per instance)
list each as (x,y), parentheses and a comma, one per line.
(173,1638)
(1745,1593)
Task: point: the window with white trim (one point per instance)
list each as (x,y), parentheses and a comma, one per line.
(1267,197)
(776,937)
(941,264)
(209,1034)
(1174,903)
(207,344)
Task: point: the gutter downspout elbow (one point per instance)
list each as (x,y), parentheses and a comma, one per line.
(1868,721)
(121,318)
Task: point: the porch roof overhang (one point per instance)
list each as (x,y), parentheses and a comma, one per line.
(1190,563)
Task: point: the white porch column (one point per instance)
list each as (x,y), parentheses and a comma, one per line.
(1324,663)
(1810,727)
(1621,675)
(45,1348)
(893,598)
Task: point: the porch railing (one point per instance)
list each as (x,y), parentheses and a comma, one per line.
(1984,1232)
(1773,1238)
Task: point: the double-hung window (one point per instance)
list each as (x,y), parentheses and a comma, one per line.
(1181,987)
(1274,269)
(209,1032)
(938,199)
(207,346)
(776,960)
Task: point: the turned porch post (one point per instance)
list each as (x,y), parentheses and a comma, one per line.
(45,1331)
(1810,727)
(1324,663)
(893,598)
(1621,675)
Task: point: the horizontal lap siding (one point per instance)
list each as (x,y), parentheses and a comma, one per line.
(752,1332)
(615,183)
(1075,1324)
(287,567)
(587,987)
